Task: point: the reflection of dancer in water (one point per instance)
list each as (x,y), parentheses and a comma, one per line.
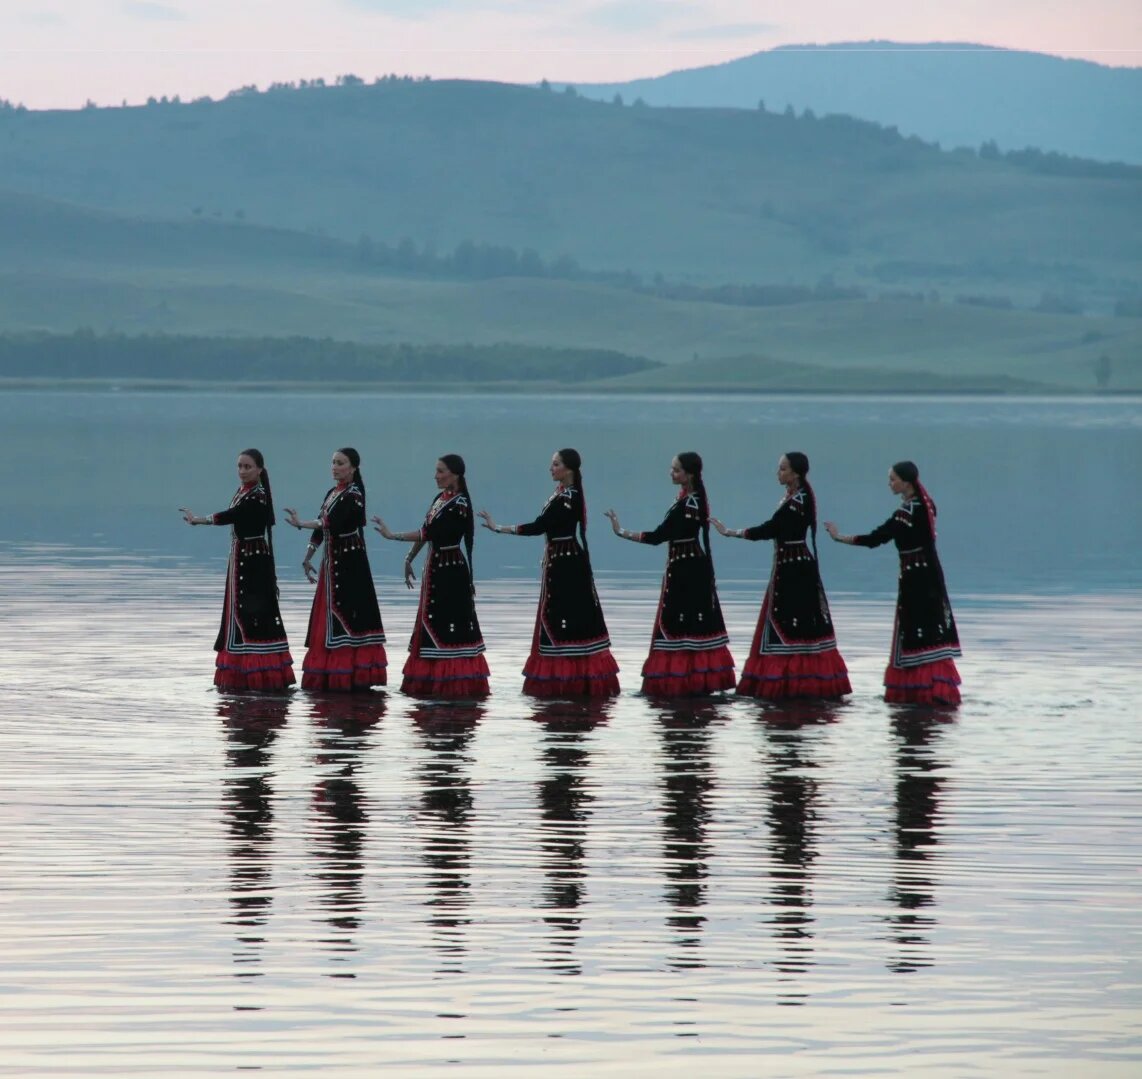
(339,835)
(794,650)
(687,781)
(446,652)
(345,640)
(925,644)
(792,818)
(570,649)
(252,649)
(446,810)
(565,803)
(689,653)
(918,788)
(251,725)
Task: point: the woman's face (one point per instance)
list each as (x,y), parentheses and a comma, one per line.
(341,468)
(678,474)
(895,484)
(445,477)
(785,473)
(560,473)
(248,470)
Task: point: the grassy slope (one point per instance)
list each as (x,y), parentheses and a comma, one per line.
(715,195)
(955,94)
(194,278)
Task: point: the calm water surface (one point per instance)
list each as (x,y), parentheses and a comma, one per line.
(198,884)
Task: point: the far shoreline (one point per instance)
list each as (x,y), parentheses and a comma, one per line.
(511,389)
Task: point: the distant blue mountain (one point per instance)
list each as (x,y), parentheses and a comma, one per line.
(954,94)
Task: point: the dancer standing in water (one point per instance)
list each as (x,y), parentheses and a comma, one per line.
(446,652)
(570,648)
(925,642)
(794,650)
(689,646)
(346,639)
(253,652)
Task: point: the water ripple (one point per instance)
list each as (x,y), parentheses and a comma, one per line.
(197,883)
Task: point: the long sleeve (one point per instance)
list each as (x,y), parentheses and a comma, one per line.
(766,531)
(790,522)
(248,513)
(558,517)
(885,533)
(318,534)
(682,521)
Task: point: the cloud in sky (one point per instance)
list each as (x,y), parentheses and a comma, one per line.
(40,18)
(728,31)
(145,9)
(60,53)
(426,9)
(632,16)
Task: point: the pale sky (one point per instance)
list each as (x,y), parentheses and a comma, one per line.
(59,53)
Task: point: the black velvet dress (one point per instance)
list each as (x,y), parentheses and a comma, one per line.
(689,647)
(794,648)
(570,648)
(253,652)
(925,642)
(346,639)
(446,652)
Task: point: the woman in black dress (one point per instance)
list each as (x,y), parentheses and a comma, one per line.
(570,648)
(925,643)
(252,649)
(794,650)
(689,647)
(345,640)
(446,652)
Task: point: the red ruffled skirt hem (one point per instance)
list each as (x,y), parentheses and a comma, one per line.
(460,678)
(819,675)
(346,668)
(930,683)
(571,676)
(688,674)
(245,671)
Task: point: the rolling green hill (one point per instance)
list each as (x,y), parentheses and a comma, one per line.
(196,279)
(711,195)
(956,94)
(278,215)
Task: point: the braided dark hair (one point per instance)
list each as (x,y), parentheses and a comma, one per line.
(455,464)
(800,465)
(573,461)
(909,473)
(355,461)
(264,480)
(691,463)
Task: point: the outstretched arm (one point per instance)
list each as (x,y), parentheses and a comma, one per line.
(732,533)
(833,531)
(486,520)
(192,520)
(293,519)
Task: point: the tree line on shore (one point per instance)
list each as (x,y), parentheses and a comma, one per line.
(85,354)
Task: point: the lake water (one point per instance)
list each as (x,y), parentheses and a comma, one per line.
(198,884)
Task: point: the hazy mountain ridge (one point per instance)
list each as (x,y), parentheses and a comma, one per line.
(280,214)
(952,93)
(713,196)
